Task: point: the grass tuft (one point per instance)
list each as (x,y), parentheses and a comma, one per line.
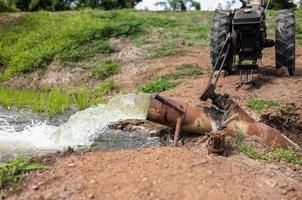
(258,104)
(106,87)
(277,154)
(183,71)
(52,102)
(167,81)
(15,170)
(157,85)
(287,155)
(164,51)
(106,69)
(248,150)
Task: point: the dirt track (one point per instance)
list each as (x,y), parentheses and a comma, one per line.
(174,173)
(160,173)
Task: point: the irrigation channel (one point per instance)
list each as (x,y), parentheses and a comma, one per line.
(25,134)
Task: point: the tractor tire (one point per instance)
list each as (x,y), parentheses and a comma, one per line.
(219,32)
(285,41)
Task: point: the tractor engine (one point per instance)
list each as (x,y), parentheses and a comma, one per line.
(248,34)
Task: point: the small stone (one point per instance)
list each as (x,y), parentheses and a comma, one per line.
(35,187)
(271,183)
(71,165)
(92,181)
(91,196)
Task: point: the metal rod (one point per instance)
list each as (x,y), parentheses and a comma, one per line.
(177,131)
(170,104)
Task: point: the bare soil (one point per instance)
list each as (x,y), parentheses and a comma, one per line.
(172,173)
(159,173)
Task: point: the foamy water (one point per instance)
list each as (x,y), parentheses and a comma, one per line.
(80,130)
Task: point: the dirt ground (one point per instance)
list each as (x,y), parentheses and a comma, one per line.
(160,173)
(177,173)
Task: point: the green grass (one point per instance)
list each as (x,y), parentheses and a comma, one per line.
(52,102)
(157,85)
(15,170)
(163,51)
(258,104)
(287,155)
(106,69)
(248,150)
(167,81)
(277,154)
(36,39)
(183,71)
(55,101)
(106,87)
(6,8)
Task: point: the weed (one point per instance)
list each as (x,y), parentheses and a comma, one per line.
(106,69)
(162,52)
(15,171)
(251,152)
(87,98)
(258,104)
(81,52)
(38,38)
(111,141)
(167,81)
(157,85)
(106,86)
(4,7)
(248,150)
(287,155)
(52,102)
(183,71)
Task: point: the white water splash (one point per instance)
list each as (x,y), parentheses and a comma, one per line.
(81,129)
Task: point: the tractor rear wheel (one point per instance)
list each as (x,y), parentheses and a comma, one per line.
(285,40)
(219,32)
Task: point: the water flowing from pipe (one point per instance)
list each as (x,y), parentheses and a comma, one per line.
(80,130)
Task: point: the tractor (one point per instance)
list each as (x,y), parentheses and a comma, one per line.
(238,38)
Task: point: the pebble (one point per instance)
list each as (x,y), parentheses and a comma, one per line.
(35,187)
(91,196)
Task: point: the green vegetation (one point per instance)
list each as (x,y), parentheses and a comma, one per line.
(15,170)
(55,100)
(52,101)
(258,104)
(36,39)
(4,7)
(106,87)
(106,69)
(162,52)
(167,81)
(287,155)
(251,152)
(111,141)
(157,85)
(183,71)
(277,154)
(39,38)
(248,150)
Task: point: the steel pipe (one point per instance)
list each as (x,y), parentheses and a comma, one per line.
(203,120)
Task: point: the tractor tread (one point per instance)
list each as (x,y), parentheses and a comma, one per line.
(220,29)
(285,40)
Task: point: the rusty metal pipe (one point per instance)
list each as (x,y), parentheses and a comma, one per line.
(202,120)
